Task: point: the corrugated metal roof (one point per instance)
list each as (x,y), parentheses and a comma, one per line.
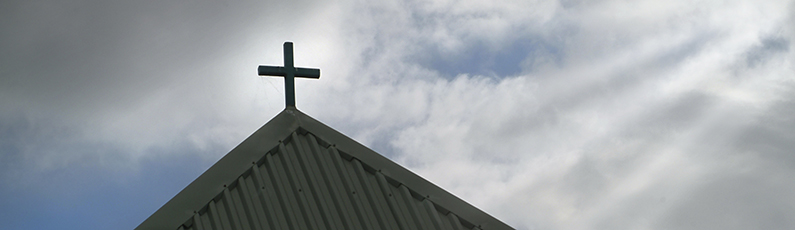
(312,177)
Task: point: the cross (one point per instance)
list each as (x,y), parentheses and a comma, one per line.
(290,72)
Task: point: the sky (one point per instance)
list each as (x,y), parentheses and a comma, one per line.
(566,114)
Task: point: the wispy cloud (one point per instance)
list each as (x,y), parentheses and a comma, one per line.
(621,115)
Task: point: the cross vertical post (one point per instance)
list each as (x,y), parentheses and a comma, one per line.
(289,75)
(289,72)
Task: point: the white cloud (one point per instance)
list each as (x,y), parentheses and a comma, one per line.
(633,122)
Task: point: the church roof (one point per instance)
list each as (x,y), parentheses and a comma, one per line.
(297,173)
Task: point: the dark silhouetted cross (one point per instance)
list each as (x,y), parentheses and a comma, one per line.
(289,72)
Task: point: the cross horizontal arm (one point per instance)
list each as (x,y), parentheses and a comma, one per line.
(271,71)
(281,71)
(289,72)
(307,73)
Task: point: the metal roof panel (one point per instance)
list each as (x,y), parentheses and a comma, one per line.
(297,173)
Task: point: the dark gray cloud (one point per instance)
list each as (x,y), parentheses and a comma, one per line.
(83,54)
(97,82)
(769,46)
(111,106)
(769,137)
(736,200)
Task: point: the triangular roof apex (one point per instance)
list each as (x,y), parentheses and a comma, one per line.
(282,128)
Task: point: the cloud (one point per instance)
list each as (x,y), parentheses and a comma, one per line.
(621,115)
(120,80)
(770,46)
(546,114)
